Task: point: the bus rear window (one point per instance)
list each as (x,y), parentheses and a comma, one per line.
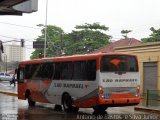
(117,63)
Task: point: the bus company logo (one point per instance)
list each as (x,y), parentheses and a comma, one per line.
(116,62)
(69,85)
(126,80)
(86,86)
(119,80)
(107,80)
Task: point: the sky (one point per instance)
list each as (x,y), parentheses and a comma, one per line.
(136,15)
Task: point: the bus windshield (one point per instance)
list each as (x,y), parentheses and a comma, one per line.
(119,63)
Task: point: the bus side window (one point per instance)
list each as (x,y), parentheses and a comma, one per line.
(57,71)
(47,70)
(79,70)
(67,70)
(91,69)
(31,71)
(27,72)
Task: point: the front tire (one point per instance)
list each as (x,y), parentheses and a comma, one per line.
(30,101)
(67,103)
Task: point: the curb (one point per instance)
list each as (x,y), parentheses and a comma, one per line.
(9,93)
(145,109)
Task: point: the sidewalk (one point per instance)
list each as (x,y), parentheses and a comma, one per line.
(5,88)
(150,108)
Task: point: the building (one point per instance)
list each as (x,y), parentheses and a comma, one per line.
(122,42)
(13,53)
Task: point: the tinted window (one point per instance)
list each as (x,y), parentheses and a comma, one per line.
(67,69)
(57,71)
(27,72)
(91,69)
(47,70)
(31,70)
(80,70)
(119,63)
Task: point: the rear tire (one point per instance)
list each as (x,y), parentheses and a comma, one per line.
(58,107)
(30,101)
(67,103)
(100,108)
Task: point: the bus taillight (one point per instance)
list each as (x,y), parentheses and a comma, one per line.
(138,88)
(101,90)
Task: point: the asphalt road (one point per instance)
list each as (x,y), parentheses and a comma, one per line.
(13,109)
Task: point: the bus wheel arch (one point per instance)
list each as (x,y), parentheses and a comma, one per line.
(67,103)
(28,96)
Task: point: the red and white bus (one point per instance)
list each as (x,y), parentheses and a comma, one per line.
(93,81)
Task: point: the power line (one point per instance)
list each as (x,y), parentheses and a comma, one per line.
(19,25)
(16,38)
(8,37)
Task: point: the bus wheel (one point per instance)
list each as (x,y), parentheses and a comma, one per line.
(100,108)
(67,103)
(30,101)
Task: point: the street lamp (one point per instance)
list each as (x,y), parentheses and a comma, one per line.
(45,37)
(45,28)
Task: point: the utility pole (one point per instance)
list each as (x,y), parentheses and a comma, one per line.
(5,60)
(1,50)
(62,45)
(46,29)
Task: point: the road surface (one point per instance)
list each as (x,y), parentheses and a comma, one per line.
(13,109)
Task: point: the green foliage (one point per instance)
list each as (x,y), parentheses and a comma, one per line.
(154,37)
(53,40)
(125,33)
(84,39)
(94,26)
(36,53)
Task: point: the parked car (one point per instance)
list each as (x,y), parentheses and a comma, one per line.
(5,76)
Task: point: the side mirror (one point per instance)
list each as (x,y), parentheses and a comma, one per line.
(16,70)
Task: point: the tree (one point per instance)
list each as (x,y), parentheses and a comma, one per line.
(54,42)
(35,54)
(86,38)
(125,33)
(154,37)
(94,26)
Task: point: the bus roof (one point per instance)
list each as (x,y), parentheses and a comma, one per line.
(71,58)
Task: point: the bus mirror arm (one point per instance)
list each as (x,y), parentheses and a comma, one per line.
(16,71)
